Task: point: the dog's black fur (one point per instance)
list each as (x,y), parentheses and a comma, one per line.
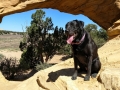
(85,54)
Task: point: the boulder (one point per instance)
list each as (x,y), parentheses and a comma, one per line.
(110,78)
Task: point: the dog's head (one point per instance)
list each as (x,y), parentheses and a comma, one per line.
(74,30)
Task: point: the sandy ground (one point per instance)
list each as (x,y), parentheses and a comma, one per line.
(9,47)
(12,54)
(17,55)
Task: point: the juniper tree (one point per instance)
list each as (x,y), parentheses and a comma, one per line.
(40,41)
(37,36)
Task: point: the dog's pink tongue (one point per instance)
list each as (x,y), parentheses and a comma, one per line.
(69,40)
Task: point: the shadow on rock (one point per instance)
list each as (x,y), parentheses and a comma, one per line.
(21,76)
(65,58)
(53,76)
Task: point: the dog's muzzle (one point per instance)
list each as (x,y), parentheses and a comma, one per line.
(71,38)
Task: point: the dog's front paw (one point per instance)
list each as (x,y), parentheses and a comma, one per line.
(94,75)
(74,77)
(87,78)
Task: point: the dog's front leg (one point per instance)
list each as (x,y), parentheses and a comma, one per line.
(87,77)
(74,76)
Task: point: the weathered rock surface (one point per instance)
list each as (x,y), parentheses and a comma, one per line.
(114,30)
(110,58)
(110,78)
(58,77)
(103,12)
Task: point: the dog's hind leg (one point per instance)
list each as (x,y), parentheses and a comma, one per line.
(96,66)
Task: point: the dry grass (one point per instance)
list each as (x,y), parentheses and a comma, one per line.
(10,42)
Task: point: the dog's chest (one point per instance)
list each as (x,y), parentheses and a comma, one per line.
(77,50)
(80,53)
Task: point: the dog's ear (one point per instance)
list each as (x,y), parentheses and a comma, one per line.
(81,23)
(66,25)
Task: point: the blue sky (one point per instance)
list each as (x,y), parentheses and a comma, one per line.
(18,21)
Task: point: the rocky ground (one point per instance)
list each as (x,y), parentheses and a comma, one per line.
(58,77)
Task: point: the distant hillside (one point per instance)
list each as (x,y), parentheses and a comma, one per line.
(10,40)
(10,32)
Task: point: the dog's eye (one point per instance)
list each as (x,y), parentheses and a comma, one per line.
(66,31)
(75,31)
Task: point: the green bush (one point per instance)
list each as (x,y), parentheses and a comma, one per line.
(23,61)
(66,50)
(9,67)
(42,66)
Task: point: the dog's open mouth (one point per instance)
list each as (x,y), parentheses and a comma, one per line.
(70,39)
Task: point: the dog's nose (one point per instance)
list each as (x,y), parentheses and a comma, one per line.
(71,33)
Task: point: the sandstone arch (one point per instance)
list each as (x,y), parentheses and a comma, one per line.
(103,12)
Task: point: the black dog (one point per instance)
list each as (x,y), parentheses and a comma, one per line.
(84,50)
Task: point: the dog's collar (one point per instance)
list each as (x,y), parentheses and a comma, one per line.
(81,40)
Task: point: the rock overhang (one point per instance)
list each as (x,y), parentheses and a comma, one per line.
(102,12)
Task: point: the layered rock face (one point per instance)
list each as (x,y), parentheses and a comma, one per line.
(103,12)
(114,30)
